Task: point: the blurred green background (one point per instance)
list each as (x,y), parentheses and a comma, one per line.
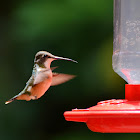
(78,29)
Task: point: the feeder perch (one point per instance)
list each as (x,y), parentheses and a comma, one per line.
(119,115)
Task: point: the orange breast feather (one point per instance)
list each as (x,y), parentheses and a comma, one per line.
(39,89)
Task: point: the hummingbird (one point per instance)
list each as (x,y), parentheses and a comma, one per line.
(42,77)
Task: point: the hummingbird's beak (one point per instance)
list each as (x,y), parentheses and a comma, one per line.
(62,58)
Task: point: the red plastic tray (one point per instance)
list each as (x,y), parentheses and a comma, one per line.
(112,116)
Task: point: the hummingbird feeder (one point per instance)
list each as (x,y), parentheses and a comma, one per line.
(119,115)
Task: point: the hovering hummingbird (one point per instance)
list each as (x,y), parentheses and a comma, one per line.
(42,77)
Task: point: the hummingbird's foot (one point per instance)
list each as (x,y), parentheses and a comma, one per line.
(34,97)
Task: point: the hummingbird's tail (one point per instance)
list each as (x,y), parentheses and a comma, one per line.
(11,100)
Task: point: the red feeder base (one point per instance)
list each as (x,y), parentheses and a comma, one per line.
(112,116)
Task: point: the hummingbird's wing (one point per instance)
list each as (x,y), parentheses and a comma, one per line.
(59,78)
(30,81)
(38,78)
(24,92)
(53,68)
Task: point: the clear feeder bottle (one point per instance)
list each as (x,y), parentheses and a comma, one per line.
(126,49)
(119,115)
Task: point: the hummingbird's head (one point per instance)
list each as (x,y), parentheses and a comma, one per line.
(44,59)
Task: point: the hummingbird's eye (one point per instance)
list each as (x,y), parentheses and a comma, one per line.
(45,55)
